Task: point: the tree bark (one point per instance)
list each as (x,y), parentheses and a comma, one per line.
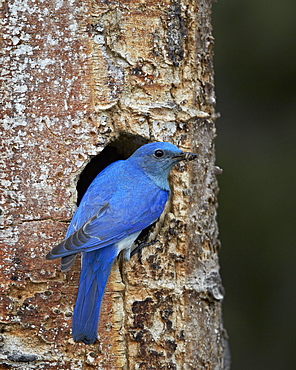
(77,76)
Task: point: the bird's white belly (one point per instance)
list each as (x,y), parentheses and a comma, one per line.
(127,242)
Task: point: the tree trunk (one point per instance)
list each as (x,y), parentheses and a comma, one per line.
(77,77)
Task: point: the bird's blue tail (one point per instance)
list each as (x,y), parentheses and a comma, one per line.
(94,274)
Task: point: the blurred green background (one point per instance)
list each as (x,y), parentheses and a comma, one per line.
(255,76)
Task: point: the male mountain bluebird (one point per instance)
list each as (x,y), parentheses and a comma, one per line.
(125,198)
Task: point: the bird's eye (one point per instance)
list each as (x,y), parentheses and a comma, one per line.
(158,153)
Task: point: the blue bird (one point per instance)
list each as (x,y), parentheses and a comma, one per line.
(124,198)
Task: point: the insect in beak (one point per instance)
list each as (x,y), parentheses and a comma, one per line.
(185,156)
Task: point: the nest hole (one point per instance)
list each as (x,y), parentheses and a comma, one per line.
(120,148)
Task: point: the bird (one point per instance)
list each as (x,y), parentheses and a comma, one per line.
(124,198)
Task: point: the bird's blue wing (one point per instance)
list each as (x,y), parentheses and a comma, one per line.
(96,197)
(123,213)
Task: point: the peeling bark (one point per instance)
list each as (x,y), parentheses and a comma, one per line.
(77,76)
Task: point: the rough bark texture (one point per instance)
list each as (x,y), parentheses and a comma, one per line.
(75,77)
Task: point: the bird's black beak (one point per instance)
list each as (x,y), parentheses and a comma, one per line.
(185,156)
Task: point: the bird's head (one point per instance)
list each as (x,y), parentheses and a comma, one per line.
(157,159)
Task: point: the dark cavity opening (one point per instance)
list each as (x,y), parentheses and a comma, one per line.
(120,148)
